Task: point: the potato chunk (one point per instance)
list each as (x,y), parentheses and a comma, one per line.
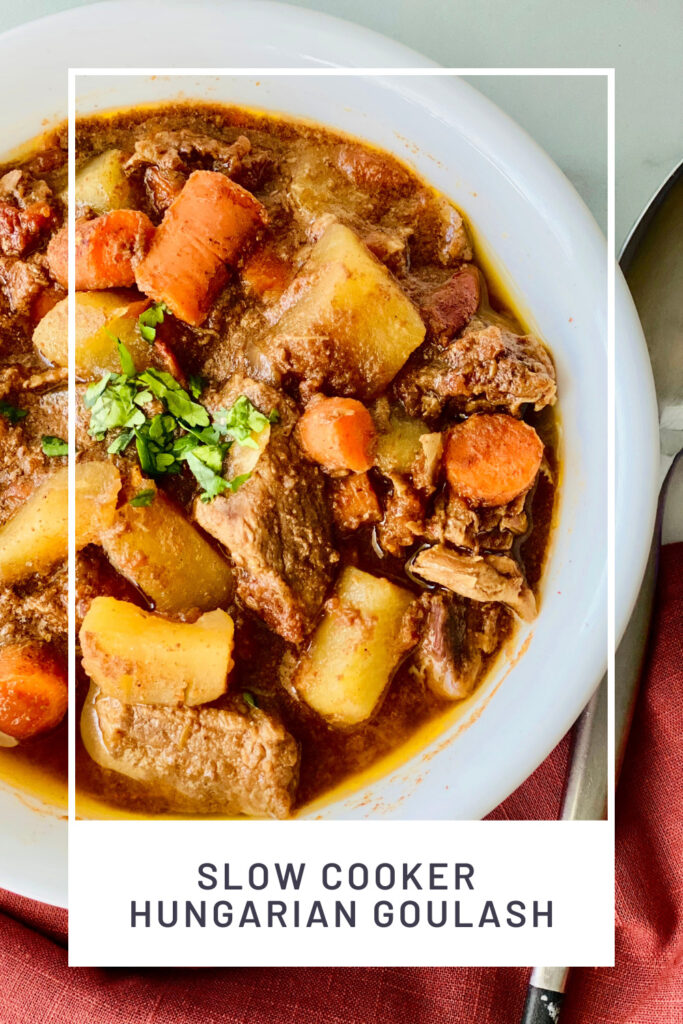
(398,442)
(97,488)
(163,554)
(101,183)
(355,649)
(142,658)
(51,337)
(35,538)
(347,325)
(101,318)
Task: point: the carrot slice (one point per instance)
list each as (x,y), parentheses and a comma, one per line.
(107,249)
(492,458)
(354,502)
(207,226)
(33,690)
(338,433)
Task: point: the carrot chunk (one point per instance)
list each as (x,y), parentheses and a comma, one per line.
(33,690)
(107,249)
(205,228)
(338,433)
(354,502)
(266,274)
(492,458)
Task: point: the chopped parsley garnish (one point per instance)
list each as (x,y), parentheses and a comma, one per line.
(249,699)
(127,364)
(183,432)
(242,420)
(196,383)
(143,498)
(12,412)
(54,446)
(147,321)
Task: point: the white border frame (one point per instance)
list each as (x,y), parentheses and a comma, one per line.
(609,74)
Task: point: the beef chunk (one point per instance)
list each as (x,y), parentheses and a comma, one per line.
(25,212)
(354,502)
(21,188)
(403,517)
(479,577)
(390,246)
(445,660)
(185,150)
(441,235)
(455,522)
(200,760)
(21,466)
(22,282)
(488,368)
(372,171)
(22,230)
(16,378)
(162,187)
(450,307)
(30,611)
(427,465)
(277,525)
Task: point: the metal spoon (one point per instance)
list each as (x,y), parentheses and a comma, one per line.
(652,260)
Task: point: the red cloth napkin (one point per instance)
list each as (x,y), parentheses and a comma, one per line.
(646,986)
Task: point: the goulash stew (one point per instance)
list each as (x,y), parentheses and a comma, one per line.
(33,473)
(315,466)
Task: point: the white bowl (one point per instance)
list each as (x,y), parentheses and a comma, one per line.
(554,258)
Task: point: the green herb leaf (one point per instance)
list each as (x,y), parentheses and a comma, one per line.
(164,386)
(249,699)
(212,455)
(148,320)
(184,444)
(114,406)
(126,359)
(119,444)
(93,391)
(142,499)
(145,456)
(211,482)
(54,446)
(237,481)
(183,433)
(196,383)
(242,420)
(163,462)
(12,412)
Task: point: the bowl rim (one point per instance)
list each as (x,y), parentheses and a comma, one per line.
(338,39)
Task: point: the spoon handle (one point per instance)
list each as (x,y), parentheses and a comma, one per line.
(542,1006)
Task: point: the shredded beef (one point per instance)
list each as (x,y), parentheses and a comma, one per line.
(179,151)
(488,368)
(478,577)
